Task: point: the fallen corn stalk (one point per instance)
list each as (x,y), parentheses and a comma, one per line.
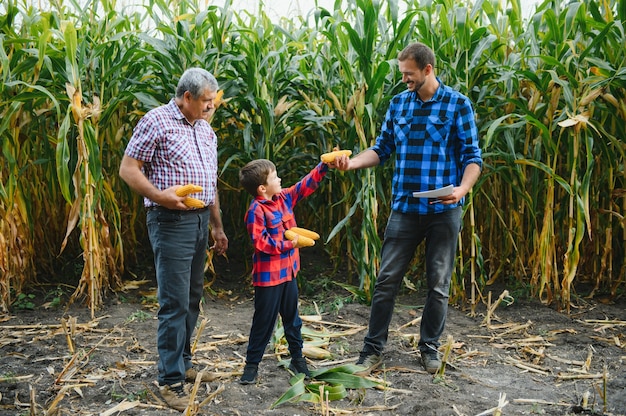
(564,361)
(528,367)
(496,411)
(120,407)
(492,308)
(539,401)
(514,329)
(561,376)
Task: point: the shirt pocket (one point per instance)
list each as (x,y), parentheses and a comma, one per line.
(274,225)
(402,128)
(288,220)
(437,128)
(178,147)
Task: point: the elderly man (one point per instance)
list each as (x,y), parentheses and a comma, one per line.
(171,146)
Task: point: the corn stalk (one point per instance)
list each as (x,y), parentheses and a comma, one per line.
(77,78)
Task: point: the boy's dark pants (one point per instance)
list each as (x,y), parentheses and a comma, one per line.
(268,303)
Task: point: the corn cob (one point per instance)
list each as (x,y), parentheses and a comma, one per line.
(218,98)
(330,156)
(317,353)
(302,240)
(188,189)
(305,233)
(193,203)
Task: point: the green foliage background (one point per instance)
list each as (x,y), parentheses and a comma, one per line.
(549,94)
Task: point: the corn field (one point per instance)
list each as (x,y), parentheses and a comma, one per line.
(549,94)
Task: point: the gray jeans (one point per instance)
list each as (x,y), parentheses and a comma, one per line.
(179,241)
(403,234)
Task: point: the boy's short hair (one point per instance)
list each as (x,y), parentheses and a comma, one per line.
(255,174)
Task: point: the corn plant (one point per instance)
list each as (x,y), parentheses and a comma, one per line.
(549,94)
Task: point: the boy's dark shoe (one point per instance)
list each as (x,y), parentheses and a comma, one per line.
(431,361)
(369,361)
(250,372)
(175,396)
(298,366)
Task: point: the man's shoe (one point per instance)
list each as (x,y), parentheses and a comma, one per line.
(431,361)
(250,372)
(192,373)
(298,366)
(370,362)
(175,396)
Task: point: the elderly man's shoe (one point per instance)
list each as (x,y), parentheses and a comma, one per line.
(192,373)
(175,396)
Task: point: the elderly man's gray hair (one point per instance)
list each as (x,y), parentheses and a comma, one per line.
(196,80)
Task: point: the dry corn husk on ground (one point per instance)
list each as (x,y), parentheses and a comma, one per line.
(68,363)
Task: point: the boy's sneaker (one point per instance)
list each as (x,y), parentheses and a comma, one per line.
(175,396)
(431,361)
(250,372)
(298,366)
(370,361)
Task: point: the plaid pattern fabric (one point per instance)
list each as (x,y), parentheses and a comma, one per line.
(433,142)
(275,260)
(174,152)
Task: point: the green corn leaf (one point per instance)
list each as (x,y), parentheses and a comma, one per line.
(296,390)
(349,381)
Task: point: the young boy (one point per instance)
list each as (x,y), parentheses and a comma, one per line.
(276,260)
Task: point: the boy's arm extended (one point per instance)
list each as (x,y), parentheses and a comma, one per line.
(307,185)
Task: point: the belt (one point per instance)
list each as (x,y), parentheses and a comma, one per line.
(177,211)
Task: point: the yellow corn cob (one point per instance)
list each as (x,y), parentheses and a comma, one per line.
(302,240)
(218,98)
(317,353)
(188,189)
(330,157)
(305,233)
(193,203)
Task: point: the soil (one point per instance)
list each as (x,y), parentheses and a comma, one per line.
(523,358)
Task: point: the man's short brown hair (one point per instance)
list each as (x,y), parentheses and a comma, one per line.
(421,54)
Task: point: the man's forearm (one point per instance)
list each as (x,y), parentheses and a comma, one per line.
(470,176)
(215,218)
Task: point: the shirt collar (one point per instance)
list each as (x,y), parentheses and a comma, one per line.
(437,96)
(178,115)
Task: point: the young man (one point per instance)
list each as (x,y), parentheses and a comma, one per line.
(432,131)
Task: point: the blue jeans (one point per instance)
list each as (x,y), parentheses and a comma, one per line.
(403,234)
(179,241)
(269,302)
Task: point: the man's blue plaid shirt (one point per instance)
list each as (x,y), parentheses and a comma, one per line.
(433,142)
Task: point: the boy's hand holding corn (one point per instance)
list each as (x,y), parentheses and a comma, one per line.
(301,237)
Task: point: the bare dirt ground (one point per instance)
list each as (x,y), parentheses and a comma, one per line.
(528,359)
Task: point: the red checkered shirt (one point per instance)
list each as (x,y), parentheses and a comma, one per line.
(175,152)
(275,260)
